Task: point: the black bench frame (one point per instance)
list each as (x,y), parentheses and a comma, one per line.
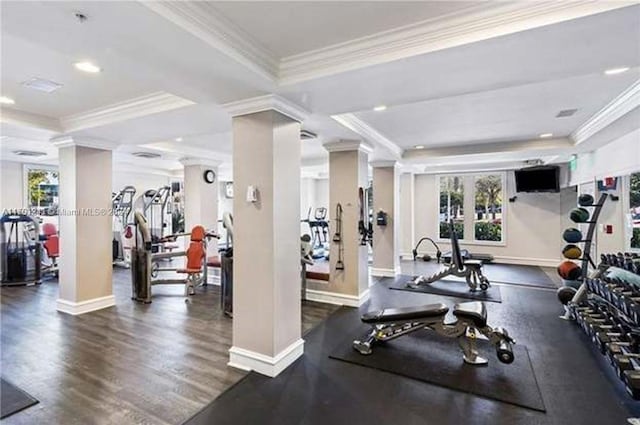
(470,270)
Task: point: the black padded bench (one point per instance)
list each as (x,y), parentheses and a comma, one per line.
(405,314)
(474,311)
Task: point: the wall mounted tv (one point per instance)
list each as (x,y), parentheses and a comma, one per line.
(545,178)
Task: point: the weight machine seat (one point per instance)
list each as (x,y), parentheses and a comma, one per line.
(474,311)
(405,313)
(214,261)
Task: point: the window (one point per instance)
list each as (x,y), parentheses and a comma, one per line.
(634,209)
(42,190)
(487,223)
(451,206)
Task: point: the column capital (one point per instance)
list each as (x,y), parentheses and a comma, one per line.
(267,102)
(200,161)
(65,141)
(343,145)
(385,164)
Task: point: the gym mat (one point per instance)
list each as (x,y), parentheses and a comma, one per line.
(518,275)
(13,399)
(429,357)
(449,288)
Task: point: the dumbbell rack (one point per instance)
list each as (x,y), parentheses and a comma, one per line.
(610,316)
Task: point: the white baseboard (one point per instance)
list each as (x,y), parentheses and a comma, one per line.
(406,256)
(265,365)
(542,262)
(380,272)
(336,298)
(75,308)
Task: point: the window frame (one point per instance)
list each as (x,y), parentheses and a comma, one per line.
(26,167)
(503,206)
(471,225)
(628,219)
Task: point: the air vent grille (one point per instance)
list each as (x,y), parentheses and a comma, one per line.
(307,135)
(30,153)
(41,84)
(146,155)
(566,113)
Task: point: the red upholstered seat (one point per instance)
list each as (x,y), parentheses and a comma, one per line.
(214,261)
(52,241)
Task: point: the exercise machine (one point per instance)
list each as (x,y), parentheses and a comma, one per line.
(20,255)
(470,270)
(427,257)
(142,268)
(154,209)
(319,229)
(226,268)
(470,323)
(306,259)
(122,205)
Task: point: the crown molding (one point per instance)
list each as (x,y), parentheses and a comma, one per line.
(86,142)
(385,164)
(132,108)
(470,25)
(347,145)
(188,161)
(616,109)
(203,20)
(266,103)
(27,119)
(360,127)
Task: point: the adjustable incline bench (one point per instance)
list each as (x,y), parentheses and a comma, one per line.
(471,270)
(471,319)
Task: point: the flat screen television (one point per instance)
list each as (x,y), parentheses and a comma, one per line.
(544,178)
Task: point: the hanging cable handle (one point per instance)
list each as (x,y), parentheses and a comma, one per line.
(337,237)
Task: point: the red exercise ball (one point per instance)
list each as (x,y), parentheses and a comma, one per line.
(568,270)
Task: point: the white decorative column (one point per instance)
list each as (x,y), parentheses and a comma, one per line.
(407,215)
(386,197)
(201,197)
(348,171)
(85,218)
(266,240)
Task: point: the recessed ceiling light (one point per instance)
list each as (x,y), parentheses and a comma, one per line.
(546,135)
(380,108)
(178,139)
(87,67)
(7,100)
(616,71)
(418,147)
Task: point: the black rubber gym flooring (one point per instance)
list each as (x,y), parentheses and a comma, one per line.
(449,288)
(576,385)
(13,399)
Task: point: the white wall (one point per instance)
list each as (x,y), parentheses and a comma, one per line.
(322,193)
(11,187)
(533,224)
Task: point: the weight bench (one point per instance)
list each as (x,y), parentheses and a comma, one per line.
(470,270)
(471,320)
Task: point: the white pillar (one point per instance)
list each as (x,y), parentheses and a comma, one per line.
(266,240)
(201,197)
(407,215)
(348,171)
(386,197)
(85,282)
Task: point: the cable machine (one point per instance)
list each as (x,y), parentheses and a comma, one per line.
(20,255)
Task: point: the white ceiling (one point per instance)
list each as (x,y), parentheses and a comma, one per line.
(289,28)
(489,92)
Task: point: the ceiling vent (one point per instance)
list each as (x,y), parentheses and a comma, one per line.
(41,84)
(566,113)
(146,155)
(30,153)
(307,135)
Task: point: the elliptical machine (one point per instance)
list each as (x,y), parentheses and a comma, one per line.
(21,263)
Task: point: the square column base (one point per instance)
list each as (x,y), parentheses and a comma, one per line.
(265,365)
(336,298)
(76,308)
(385,272)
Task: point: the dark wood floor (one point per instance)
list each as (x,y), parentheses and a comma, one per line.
(130,364)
